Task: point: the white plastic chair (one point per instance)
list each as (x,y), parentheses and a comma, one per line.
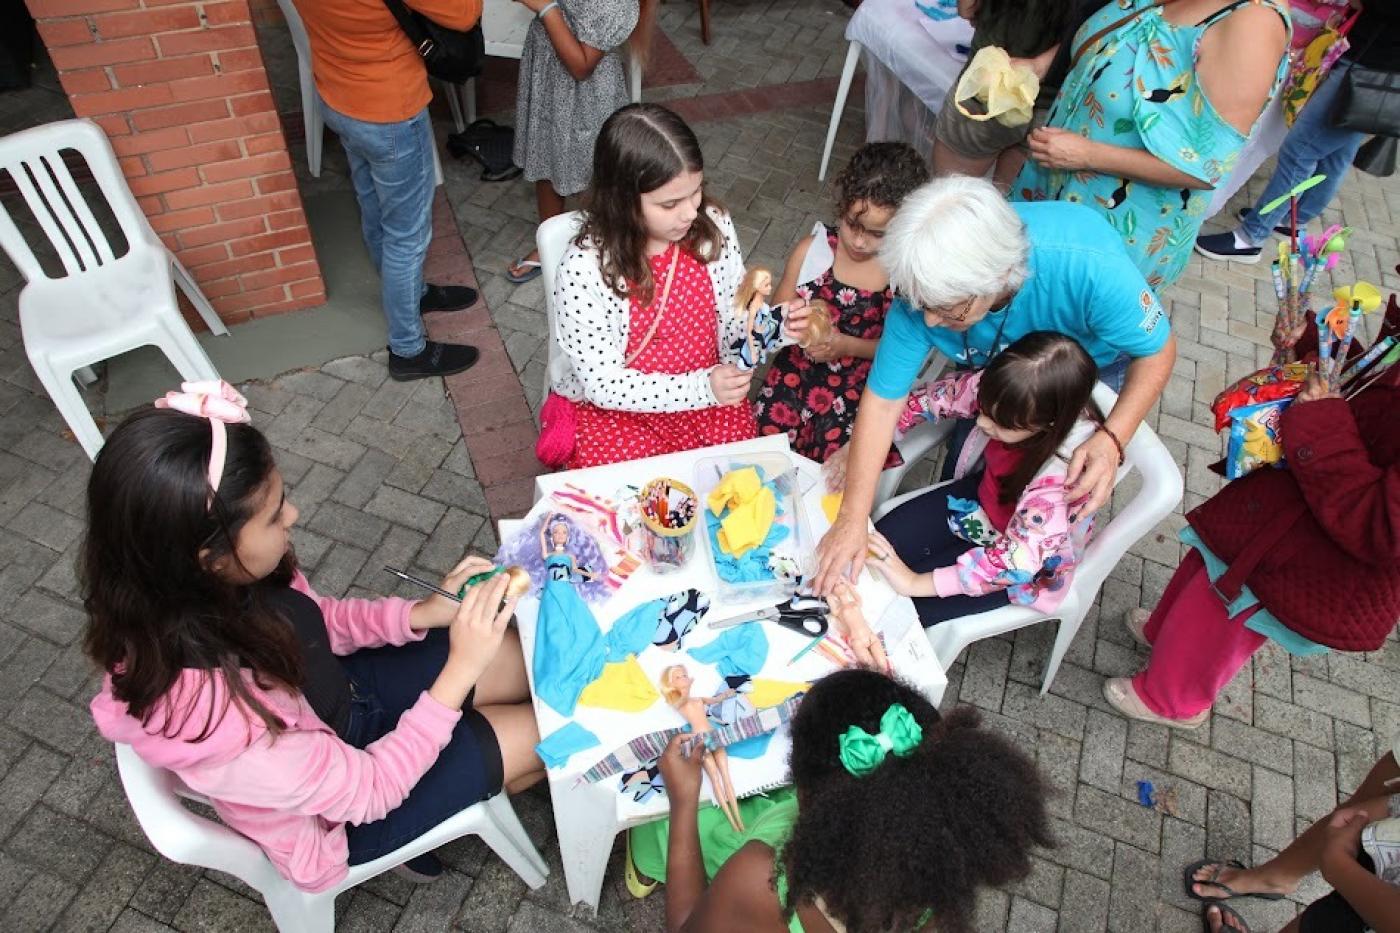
(1161,491)
(312,120)
(552,239)
(189,839)
(103,305)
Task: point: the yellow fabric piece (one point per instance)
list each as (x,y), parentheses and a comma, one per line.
(766,693)
(747,525)
(735,488)
(623,686)
(1006,90)
(831,504)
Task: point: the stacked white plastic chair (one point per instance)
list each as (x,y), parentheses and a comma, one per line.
(105,302)
(1161,491)
(182,836)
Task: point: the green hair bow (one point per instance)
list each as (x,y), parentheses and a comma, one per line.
(862,753)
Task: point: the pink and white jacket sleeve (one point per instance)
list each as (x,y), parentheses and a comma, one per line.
(952,396)
(353,624)
(1038,538)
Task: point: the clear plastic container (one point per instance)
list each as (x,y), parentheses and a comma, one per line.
(793,556)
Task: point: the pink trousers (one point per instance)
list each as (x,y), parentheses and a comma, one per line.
(1196,647)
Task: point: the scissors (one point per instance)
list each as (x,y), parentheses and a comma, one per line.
(806,615)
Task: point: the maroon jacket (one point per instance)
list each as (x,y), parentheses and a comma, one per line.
(1319,542)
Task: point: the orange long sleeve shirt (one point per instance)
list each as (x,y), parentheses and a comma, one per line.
(364,65)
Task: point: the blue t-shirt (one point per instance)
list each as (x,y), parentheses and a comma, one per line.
(1081,284)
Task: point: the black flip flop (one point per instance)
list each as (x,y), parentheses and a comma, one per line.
(1239,927)
(1188,879)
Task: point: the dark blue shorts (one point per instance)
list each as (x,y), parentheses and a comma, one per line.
(385,683)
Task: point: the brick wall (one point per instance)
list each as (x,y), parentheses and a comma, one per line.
(180,88)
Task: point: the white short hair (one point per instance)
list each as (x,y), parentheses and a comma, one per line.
(953,239)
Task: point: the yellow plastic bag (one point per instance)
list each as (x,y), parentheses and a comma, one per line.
(1006,91)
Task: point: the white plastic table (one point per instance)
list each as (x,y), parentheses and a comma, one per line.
(908,50)
(589,816)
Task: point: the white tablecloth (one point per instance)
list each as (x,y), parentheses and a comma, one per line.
(585,813)
(911,61)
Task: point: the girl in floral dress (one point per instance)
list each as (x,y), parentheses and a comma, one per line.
(645,310)
(1158,103)
(811,394)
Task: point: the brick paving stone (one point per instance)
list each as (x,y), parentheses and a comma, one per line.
(1134,871)
(1211,768)
(1271,808)
(1314,781)
(1028,917)
(1085,905)
(1227,823)
(1105,744)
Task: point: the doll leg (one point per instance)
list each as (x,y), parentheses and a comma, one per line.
(720,789)
(731,799)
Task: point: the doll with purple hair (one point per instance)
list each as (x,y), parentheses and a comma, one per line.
(557,544)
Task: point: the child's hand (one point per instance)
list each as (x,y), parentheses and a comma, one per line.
(437,610)
(834,469)
(1342,838)
(680,771)
(895,571)
(845,609)
(730,384)
(480,624)
(825,351)
(797,317)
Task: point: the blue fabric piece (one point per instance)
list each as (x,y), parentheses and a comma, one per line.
(938,10)
(753,566)
(741,650)
(1264,622)
(1146,794)
(1082,283)
(556,748)
(634,631)
(731,709)
(569,646)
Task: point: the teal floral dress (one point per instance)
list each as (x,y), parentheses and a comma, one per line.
(1137,88)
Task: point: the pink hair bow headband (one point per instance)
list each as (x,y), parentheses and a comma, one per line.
(221,404)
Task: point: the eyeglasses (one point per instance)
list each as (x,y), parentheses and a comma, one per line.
(956,315)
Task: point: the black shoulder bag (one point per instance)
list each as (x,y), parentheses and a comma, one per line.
(451,55)
(1368,100)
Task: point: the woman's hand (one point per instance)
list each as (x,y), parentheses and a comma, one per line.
(1056,148)
(797,318)
(730,384)
(437,611)
(832,348)
(1089,479)
(834,469)
(841,554)
(895,571)
(681,771)
(1315,388)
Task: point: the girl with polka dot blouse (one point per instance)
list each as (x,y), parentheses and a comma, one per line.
(643,301)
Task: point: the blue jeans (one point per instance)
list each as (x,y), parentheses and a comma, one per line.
(391,166)
(1312,146)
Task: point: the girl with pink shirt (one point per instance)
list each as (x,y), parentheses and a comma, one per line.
(328,731)
(1005,528)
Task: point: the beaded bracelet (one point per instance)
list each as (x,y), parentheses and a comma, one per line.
(1122,458)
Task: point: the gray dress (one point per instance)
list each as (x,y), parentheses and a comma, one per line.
(557,118)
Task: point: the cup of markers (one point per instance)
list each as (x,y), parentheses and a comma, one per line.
(669,509)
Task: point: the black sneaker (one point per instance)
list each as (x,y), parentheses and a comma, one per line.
(437,359)
(422,869)
(1281,229)
(1222,246)
(446,298)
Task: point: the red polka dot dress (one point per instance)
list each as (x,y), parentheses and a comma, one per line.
(686,340)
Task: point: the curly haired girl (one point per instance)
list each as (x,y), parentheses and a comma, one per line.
(897,817)
(811,393)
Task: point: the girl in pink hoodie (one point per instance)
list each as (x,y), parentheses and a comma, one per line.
(1004,528)
(329,731)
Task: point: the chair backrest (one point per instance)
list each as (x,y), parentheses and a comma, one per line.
(298,30)
(34,160)
(552,238)
(183,836)
(1162,488)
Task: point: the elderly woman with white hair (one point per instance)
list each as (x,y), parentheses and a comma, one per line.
(972,274)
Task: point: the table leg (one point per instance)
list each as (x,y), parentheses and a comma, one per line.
(842,90)
(586,821)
